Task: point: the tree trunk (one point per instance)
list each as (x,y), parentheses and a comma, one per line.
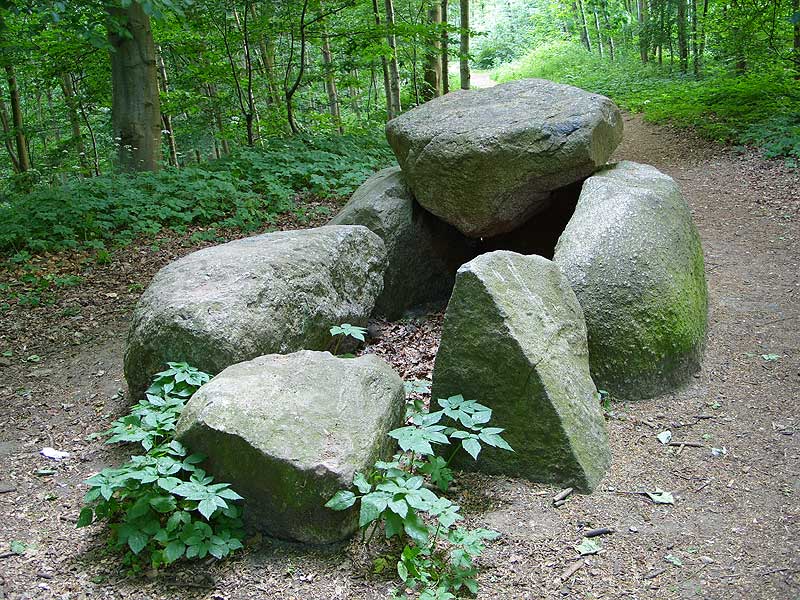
(695,42)
(211,94)
(8,135)
(394,68)
(584,26)
(796,43)
(165,118)
(68,90)
(433,55)
(387,88)
(607,24)
(683,47)
(702,35)
(464,50)
(445,51)
(23,157)
(135,113)
(330,83)
(599,34)
(644,30)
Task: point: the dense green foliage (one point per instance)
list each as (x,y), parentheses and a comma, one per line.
(731,70)
(437,558)
(161,506)
(245,190)
(758,107)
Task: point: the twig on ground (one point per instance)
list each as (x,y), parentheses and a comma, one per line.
(687,444)
(572,569)
(596,532)
(562,495)
(654,574)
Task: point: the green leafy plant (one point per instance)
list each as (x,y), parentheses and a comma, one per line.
(162,506)
(438,557)
(345,330)
(246,190)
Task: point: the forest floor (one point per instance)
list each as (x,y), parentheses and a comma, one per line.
(732,533)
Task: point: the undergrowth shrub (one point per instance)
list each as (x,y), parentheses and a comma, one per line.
(161,505)
(761,107)
(245,190)
(438,556)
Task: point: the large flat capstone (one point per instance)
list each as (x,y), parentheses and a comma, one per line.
(423,252)
(486,160)
(272,293)
(633,256)
(289,431)
(514,339)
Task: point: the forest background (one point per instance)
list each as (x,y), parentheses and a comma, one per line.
(121,118)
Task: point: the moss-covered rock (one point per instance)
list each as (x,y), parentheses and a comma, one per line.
(272,293)
(289,431)
(633,256)
(514,339)
(423,252)
(486,160)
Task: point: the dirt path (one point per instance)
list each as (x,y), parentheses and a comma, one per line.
(732,533)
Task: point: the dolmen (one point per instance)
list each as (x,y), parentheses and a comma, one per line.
(619,303)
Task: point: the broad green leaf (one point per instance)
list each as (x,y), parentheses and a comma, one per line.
(343,499)
(207,507)
(174,550)
(137,540)
(415,528)
(588,546)
(472,446)
(163,504)
(85,517)
(372,505)
(361,483)
(661,497)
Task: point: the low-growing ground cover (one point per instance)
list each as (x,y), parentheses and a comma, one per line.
(760,108)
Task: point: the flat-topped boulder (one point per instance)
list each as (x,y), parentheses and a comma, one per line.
(633,256)
(423,252)
(514,339)
(272,293)
(289,431)
(486,160)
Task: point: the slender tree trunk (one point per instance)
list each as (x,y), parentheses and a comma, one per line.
(394,68)
(581,30)
(599,34)
(607,24)
(584,25)
(165,118)
(68,90)
(683,47)
(695,42)
(796,41)
(135,114)
(387,88)
(445,51)
(644,30)
(211,93)
(702,35)
(464,50)
(433,55)
(330,83)
(23,157)
(8,135)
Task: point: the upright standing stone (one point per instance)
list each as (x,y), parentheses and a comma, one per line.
(486,160)
(289,431)
(423,252)
(514,339)
(272,293)
(633,256)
